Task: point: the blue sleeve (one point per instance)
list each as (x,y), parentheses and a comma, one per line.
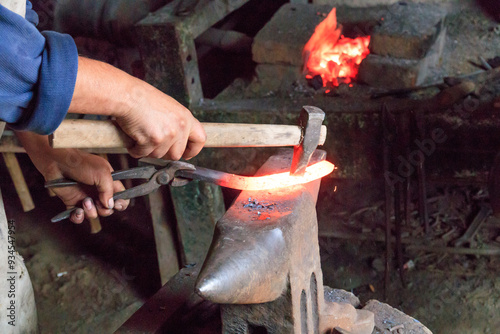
(37,74)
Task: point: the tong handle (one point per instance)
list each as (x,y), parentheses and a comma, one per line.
(144,172)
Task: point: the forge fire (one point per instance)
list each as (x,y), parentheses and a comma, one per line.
(331,55)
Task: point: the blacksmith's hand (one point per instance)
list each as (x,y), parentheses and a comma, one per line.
(92,171)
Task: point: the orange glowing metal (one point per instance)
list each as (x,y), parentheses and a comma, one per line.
(333,56)
(279,180)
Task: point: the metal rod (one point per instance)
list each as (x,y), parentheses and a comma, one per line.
(388,196)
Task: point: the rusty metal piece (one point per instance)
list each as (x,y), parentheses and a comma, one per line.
(388,138)
(264,267)
(468,237)
(310,121)
(494,186)
(422,186)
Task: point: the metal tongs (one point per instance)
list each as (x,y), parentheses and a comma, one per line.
(156,177)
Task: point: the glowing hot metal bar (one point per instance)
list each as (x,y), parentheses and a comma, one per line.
(273,181)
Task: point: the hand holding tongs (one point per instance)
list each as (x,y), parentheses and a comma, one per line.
(156,178)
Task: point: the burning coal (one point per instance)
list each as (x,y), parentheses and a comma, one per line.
(332,56)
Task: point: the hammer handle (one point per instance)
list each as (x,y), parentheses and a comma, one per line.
(105,134)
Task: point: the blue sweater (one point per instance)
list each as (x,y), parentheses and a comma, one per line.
(37,73)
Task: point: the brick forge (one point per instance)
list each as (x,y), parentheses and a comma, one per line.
(407,41)
(405,47)
(264,266)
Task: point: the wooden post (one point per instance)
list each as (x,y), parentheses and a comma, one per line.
(166,42)
(19,183)
(163,227)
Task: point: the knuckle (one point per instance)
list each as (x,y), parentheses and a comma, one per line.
(173,132)
(141,140)
(157,140)
(183,123)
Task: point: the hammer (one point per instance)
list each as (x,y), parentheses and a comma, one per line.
(92,134)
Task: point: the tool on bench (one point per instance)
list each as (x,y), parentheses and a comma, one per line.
(176,173)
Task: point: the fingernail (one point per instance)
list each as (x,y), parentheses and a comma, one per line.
(118,206)
(79,213)
(111,203)
(87,203)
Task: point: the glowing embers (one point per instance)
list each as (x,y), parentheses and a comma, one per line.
(332,56)
(279,180)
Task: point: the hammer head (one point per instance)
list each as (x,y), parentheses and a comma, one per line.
(310,121)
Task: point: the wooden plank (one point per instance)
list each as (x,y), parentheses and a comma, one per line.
(2,128)
(164,227)
(10,144)
(17,177)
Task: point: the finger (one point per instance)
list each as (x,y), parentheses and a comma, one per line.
(176,150)
(140,151)
(197,134)
(104,185)
(89,208)
(102,211)
(77,216)
(196,140)
(120,204)
(192,150)
(161,151)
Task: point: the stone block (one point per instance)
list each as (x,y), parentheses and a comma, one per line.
(394,73)
(408,30)
(390,320)
(283,38)
(391,73)
(274,78)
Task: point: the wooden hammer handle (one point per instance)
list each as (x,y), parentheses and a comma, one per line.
(105,134)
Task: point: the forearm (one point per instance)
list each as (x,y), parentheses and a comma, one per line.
(103,89)
(44,157)
(37,147)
